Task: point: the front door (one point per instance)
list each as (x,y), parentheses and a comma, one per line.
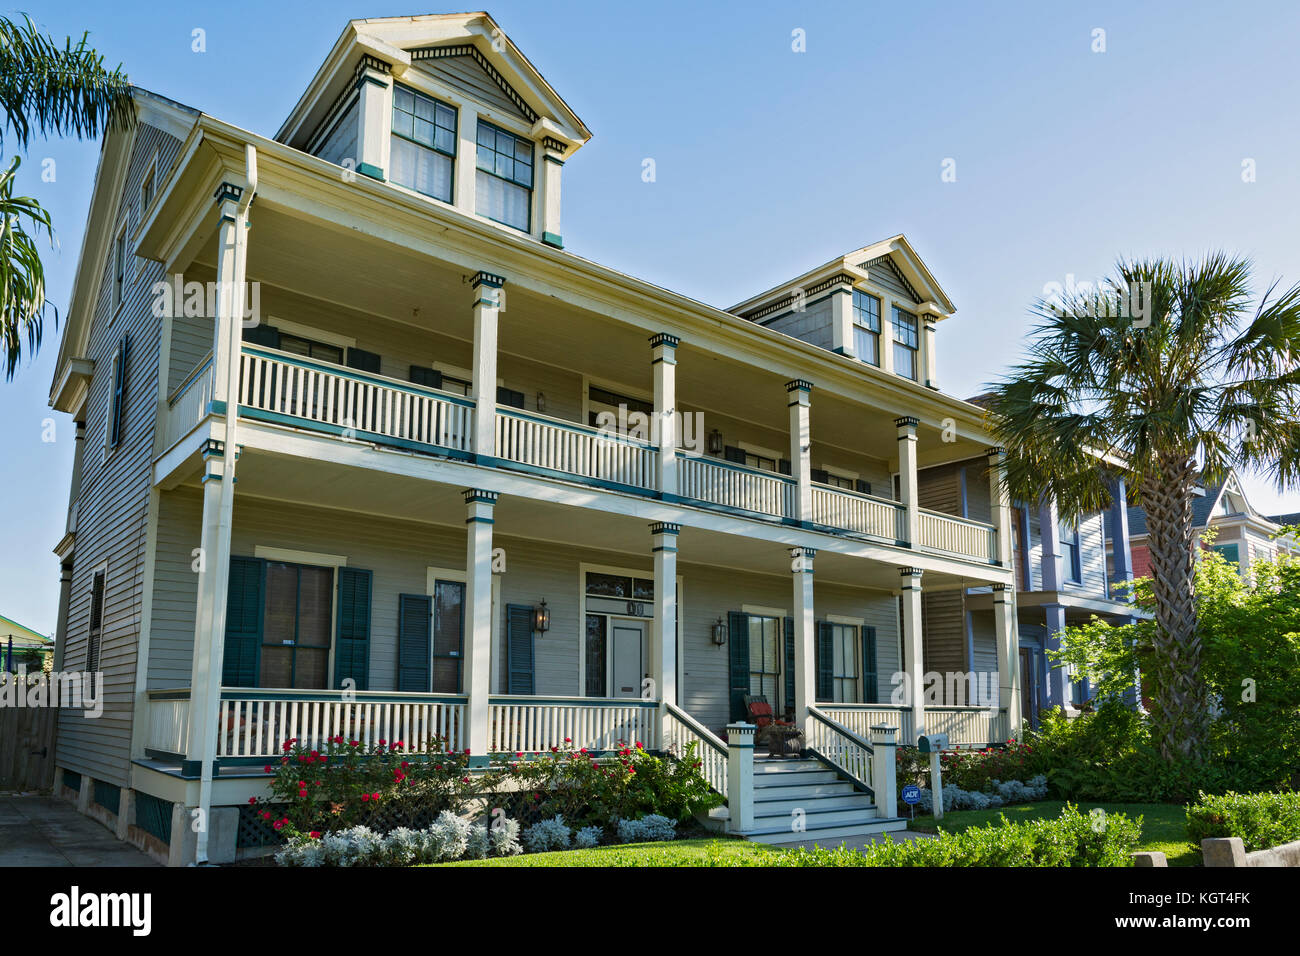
(1028,687)
(628,642)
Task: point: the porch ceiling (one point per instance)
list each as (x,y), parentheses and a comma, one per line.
(336,487)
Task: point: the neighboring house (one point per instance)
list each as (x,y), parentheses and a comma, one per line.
(460,507)
(21,646)
(1243,537)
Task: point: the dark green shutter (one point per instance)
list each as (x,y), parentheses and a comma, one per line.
(363,361)
(244,608)
(784,466)
(352,647)
(789,665)
(260,334)
(863,486)
(428,377)
(738,645)
(825,661)
(509,396)
(869,689)
(119,394)
(734,454)
(519,649)
(817,474)
(414,615)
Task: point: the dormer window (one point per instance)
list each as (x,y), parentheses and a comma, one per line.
(866,327)
(423,144)
(906,343)
(504,190)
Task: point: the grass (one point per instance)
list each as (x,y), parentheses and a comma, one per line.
(710,851)
(1164,825)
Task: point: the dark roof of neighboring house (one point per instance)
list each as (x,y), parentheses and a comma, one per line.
(1293,518)
(983,400)
(1202,507)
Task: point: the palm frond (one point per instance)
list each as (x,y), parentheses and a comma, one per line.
(22,277)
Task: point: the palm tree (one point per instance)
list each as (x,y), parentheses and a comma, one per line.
(45,89)
(1171,382)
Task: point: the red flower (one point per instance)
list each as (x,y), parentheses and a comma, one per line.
(374,796)
(315,834)
(467,751)
(464,779)
(405,764)
(267,768)
(382,741)
(365,797)
(252,800)
(278,824)
(302,793)
(265,814)
(354,743)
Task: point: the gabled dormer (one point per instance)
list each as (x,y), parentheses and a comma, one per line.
(445,106)
(878,304)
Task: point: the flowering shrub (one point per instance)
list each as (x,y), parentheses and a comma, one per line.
(347,784)
(448,838)
(591,791)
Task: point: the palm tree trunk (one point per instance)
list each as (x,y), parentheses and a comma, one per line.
(1178,712)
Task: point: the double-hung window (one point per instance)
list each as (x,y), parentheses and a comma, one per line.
(504,188)
(866,328)
(119,268)
(844,662)
(423,151)
(448,636)
(1070,566)
(906,343)
(765,657)
(311,348)
(297,626)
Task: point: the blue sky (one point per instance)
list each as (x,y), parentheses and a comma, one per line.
(770,161)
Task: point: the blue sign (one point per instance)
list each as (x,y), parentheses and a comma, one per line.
(912,794)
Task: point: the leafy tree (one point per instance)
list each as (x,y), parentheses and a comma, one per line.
(46,89)
(1197,381)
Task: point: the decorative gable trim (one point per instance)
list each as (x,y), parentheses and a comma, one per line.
(888,262)
(785,303)
(471,51)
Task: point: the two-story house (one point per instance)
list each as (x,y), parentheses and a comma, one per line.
(363,450)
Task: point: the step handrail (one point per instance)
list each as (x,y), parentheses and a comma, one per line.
(716,757)
(709,738)
(858,765)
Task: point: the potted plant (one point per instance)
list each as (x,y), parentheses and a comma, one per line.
(783,739)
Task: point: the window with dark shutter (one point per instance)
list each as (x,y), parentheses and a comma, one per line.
(96,631)
(414,616)
(428,377)
(244,609)
(352,645)
(870,687)
(448,636)
(519,649)
(825,662)
(117,406)
(363,361)
(738,651)
(509,396)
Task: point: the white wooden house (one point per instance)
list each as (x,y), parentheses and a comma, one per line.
(442,475)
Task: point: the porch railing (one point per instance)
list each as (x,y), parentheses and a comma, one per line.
(968,726)
(576,450)
(859,718)
(736,486)
(863,514)
(681,729)
(536,724)
(959,536)
(280,387)
(842,748)
(167,728)
(188,403)
(256,723)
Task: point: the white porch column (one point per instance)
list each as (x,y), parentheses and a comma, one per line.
(374,116)
(1007,636)
(913,650)
(800,393)
(548,200)
(884,769)
(663,630)
(1119,543)
(489,297)
(740,777)
(805,635)
(1004,596)
(907,482)
(928,313)
(478,620)
(664,361)
(219,492)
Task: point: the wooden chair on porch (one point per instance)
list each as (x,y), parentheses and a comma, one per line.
(758,711)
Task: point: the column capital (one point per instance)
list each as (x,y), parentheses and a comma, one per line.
(227,192)
(908,422)
(665,527)
(490,279)
(801,560)
(799,384)
(664,338)
(995,451)
(910,572)
(369,66)
(477,495)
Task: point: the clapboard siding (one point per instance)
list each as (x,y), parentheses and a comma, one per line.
(398,553)
(885,275)
(112,505)
(464,75)
(191,342)
(812,325)
(939,489)
(984,649)
(943,627)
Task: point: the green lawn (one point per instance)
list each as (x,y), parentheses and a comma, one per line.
(709,851)
(1164,825)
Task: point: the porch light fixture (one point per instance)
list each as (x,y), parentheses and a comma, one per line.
(542,618)
(541,401)
(715,442)
(719,630)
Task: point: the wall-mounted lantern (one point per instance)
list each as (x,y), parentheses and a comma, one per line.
(542,618)
(715,442)
(719,632)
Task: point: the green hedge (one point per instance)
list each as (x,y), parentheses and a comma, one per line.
(1261,820)
(1072,839)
